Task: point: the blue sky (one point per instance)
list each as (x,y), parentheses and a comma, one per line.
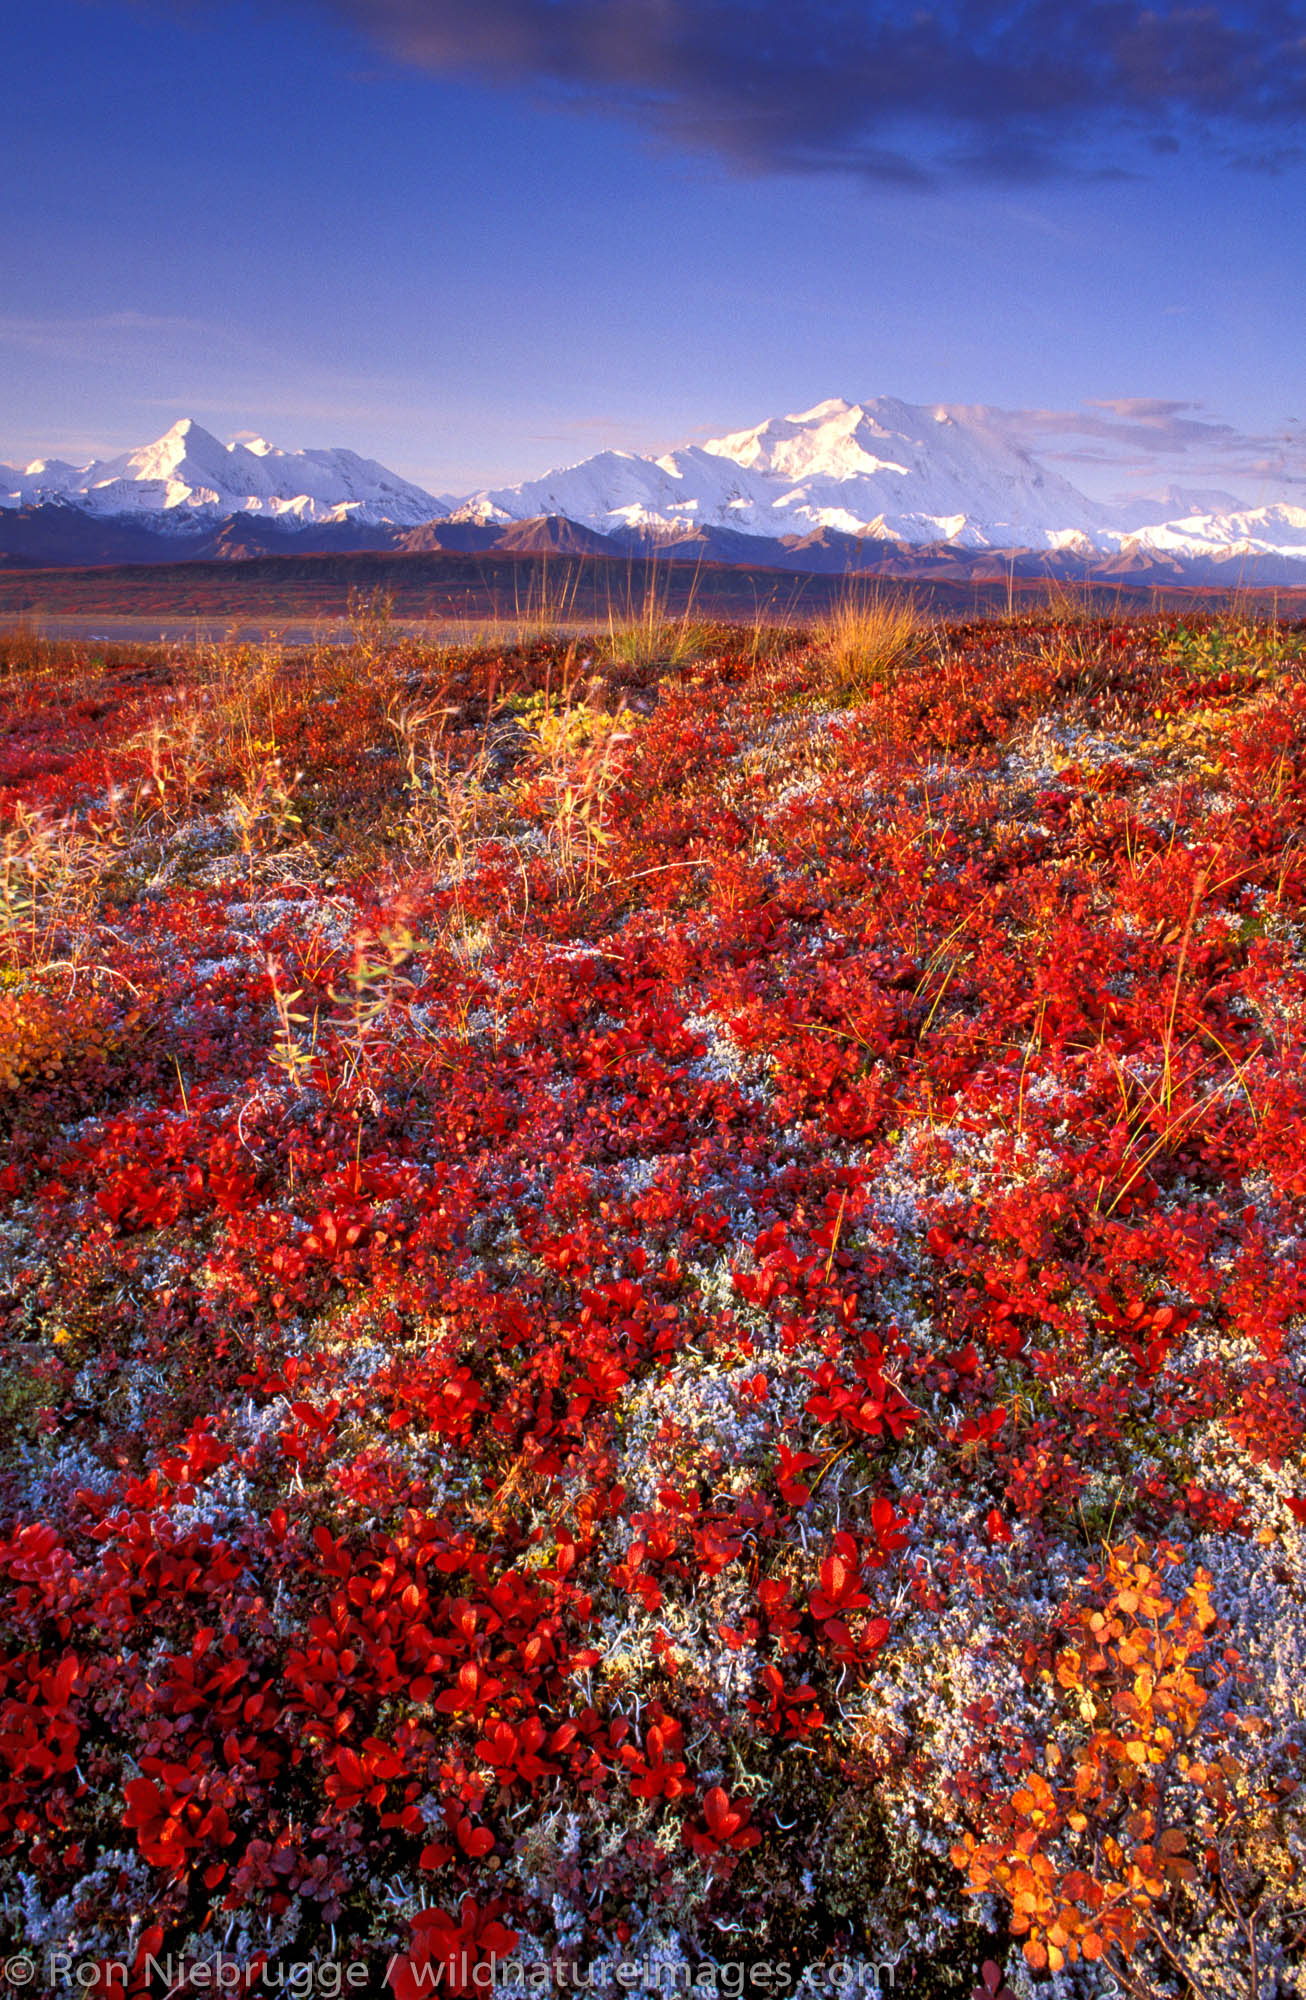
(478,238)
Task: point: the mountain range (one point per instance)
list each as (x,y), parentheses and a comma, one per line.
(881,486)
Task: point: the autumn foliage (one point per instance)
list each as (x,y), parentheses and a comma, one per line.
(651,1308)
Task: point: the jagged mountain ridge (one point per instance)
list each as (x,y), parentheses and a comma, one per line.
(884,469)
(840,486)
(888,471)
(189,472)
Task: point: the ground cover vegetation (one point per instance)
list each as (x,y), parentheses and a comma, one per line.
(653,1305)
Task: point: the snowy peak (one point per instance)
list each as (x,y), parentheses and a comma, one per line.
(885,458)
(949,476)
(187,446)
(881,468)
(189,472)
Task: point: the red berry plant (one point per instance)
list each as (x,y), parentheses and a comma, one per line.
(658,1311)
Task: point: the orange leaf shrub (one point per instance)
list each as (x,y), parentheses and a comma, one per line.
(43,1037)
(1084,1854)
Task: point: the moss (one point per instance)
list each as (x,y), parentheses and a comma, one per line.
(29,1388)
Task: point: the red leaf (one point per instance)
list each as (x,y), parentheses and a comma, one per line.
(721,1818)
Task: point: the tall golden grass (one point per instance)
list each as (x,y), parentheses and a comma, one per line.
(866,639)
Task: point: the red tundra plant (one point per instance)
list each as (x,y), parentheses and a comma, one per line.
(455,1955)
(723,1830)
(653,1296)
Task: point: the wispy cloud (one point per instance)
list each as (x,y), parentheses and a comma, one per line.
(92,337)
(1146,439)
(1016,89)
(1132,424)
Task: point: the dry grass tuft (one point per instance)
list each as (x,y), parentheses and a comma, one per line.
(645,632)
(866,640)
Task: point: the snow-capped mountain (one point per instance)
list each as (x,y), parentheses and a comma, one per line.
(189,472)
(950,475)
(843,484)
(1279,530)
(885,469)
